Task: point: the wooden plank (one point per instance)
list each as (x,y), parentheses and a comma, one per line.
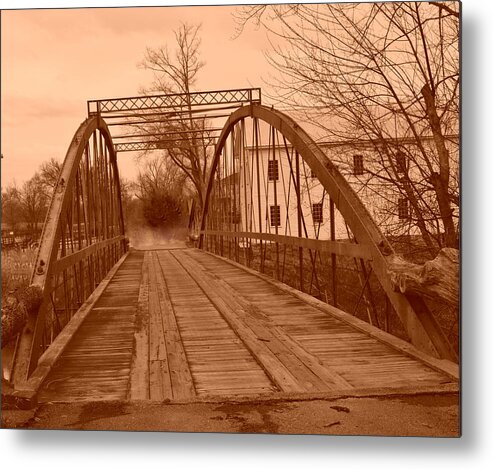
(157,343)
(312,362)
(68,261)
(279,339)
(346,348)
(139,374)
(97,362)
(340,248)
(207,337)
(161,388)
(55,350)
(440,365)
(251,334)
(181,377)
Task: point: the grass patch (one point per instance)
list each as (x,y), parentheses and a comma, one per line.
(17,266)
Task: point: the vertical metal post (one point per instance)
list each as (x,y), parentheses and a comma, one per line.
(66,305)
(218,215)
(235,188)
(276,227)
(299,219)
(373,314)
(244,167)
(228,198)
(255,120)
(333,256)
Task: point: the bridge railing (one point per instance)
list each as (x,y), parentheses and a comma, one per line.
(276,203)
(82,238)
(74,276)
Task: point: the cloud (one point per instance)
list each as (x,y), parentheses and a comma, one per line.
(148,20)
(29,107)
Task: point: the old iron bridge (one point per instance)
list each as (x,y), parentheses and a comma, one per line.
(270,300)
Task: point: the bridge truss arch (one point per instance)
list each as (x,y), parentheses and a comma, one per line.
(82,238)
(276,203)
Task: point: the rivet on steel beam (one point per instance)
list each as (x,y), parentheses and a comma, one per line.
(61,185)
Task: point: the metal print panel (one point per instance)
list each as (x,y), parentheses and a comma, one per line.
(232,219)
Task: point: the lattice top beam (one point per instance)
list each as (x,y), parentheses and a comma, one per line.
(132,114)
(154,145)
(174,101)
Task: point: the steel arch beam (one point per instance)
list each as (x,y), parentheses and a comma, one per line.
(48,251)
(50,236)
(420,326)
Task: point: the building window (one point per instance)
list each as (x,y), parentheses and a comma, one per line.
(318,213)
(401,162)
(403,208)
(236,215)
(358,167)
(273,170)
(275,215)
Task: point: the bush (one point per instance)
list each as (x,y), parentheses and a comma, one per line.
(162,209)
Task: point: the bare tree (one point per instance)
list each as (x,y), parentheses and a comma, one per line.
(127,190)
(11,206)
(33,202)
(161,186)
(29,203)
(184,139)
(48,172)
(387,74)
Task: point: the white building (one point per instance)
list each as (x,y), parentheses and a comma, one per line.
(260,192)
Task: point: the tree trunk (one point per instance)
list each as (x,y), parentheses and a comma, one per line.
(436,279)
(440,181)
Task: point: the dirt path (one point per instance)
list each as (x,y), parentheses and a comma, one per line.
(421,415)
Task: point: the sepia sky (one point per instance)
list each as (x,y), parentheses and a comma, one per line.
(54,60)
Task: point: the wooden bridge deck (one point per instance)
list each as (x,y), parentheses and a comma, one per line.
(181,324)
